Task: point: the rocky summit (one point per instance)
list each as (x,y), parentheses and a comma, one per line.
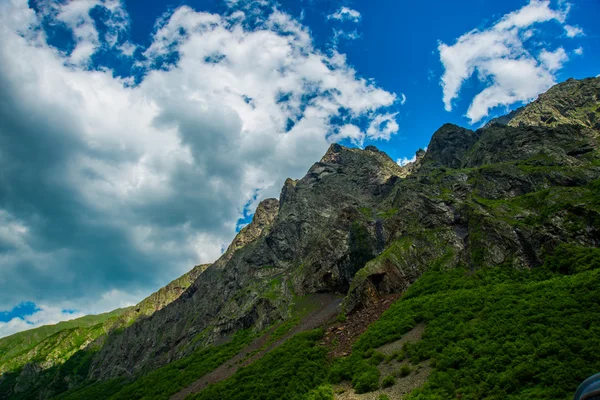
(511,210)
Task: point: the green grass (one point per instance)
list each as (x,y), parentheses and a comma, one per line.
(57,341)
(497,333)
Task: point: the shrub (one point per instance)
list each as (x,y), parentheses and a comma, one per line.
(323,392)
(376,358)
(405,370)
(383,396)
(367,380)
(388,381)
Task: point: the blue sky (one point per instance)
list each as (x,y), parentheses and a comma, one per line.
(137,136)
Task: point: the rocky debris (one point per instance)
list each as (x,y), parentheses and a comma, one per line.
(403,384)
(340,336)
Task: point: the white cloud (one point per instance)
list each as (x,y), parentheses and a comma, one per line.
(402,99)
(141,182)
(351,132)
(75,15)
(573,31)
(578,51)
(405,160)
(383,126)
(127,49)
(345,14)
(498,55)
(553,60)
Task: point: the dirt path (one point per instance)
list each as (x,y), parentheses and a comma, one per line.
(327,307)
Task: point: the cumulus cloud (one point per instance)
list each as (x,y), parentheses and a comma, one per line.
(572,31)
(498,56)
(402,99)
(553,60)
(345,14)
(110,188)
(578,51)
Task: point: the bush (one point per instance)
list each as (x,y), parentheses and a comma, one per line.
(367,380)
(383,396)
(388,381)
(405,370)
(324,392)
(376,358)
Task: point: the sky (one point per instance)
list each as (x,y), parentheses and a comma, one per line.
(137,137)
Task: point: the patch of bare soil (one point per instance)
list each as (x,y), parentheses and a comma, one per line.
(340,336)
(327,307)
(403,384)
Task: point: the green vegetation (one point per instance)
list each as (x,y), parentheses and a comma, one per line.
(53,342)
(405,370)
(388,381)
(290,371)
(383,396)
(323,392)
(497,333)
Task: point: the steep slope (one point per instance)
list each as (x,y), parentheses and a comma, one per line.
(314,241)
(53,343)
(30,354)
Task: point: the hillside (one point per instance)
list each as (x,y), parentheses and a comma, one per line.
(50,343)
(490,236)
(46,346)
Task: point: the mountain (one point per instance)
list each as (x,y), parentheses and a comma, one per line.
(491,237)
(44,347)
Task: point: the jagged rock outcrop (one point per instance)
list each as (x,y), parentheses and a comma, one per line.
(161,298)
(314,239)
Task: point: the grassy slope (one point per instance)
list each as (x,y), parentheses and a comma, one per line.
(20,348)
(497,333)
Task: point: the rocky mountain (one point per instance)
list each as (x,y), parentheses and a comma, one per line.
(358,225)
